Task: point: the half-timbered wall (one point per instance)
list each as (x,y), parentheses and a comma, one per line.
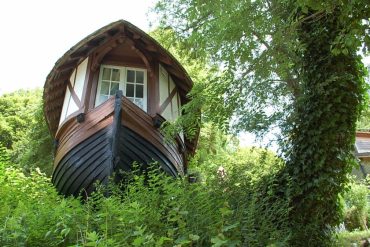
(71,86)
(169,99)
(73,96)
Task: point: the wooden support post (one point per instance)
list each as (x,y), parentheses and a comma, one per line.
(116,126)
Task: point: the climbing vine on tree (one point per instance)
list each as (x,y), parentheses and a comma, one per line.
(322,130)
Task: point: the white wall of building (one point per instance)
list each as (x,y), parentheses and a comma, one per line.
(77,80)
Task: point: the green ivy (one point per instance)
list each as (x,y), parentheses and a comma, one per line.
(322,129)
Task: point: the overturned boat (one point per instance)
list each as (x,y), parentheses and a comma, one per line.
(104,102)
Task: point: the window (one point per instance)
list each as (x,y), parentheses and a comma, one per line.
(135,87)
(132,82)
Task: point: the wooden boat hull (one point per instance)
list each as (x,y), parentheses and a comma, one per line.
(107,142)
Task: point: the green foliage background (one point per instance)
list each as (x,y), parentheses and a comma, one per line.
(24,137)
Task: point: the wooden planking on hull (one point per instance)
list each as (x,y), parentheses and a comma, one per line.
(142,123)
(133,147)
(90,161)
(72,132)
(84,165)
(93,150)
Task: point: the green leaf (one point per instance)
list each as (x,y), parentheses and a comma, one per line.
(138,241)
(65,232)
(217,241)
(227,228)
(345,51)
(226,211)
(161,240)
(182,240)
(304,9)
(47,234)
(90,244)
(194,237)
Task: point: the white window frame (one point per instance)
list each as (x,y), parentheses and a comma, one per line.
(122,83)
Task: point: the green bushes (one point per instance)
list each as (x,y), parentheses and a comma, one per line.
(164,212)
(355,215)
(356,238)
(31,212)
(356,207)
(154,210)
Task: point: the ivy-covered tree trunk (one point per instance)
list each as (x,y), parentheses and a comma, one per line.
(324,128)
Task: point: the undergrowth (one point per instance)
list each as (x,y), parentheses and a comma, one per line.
(235,209)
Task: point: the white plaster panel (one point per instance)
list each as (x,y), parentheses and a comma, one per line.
(80,78)
(67,98)
(175,107)
(167,114)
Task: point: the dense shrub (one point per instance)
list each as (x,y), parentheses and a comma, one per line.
(254,190)
(31,212)
(148,212)
(240,208)
(356,207)
(356,238)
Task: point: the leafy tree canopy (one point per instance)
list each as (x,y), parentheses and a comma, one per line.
(255,45)
(16,113)
(24,136)
(258,78)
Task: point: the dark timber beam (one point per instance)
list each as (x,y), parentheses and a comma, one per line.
(165,59)
(67,66)
(151,48)
(116,128)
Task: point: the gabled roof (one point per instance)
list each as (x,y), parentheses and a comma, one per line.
(55,85)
